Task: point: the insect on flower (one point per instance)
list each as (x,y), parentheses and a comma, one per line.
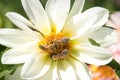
(58,49)
(60,56)
(53,43)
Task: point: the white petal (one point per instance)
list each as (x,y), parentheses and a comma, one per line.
(13,37)
(93,55)
(79,25)
(37,15)
(81,70)
(36,66)
(66,71)
(102,16)
(19,21)
(51,73)
(15,56)
(104,36)
(77,7)
(57,11)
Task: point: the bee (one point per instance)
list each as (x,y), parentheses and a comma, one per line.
(65,40)
(58,49)
(51,48)
(60,56)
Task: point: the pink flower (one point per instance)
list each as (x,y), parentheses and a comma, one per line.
(114,21)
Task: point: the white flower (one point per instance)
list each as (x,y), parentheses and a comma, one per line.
(54,43)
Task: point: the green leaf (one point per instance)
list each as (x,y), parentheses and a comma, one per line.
(118,73)
(116,66)
(5,72)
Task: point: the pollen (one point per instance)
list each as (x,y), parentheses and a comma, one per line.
(57,45)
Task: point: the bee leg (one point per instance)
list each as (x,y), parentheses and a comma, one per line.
(42,47)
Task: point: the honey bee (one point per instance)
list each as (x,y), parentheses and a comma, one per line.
(65,40)
(51,48)
(58,49)
(60,56)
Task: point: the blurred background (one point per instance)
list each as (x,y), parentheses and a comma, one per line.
(15,6)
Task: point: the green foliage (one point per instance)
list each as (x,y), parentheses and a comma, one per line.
(6,69)
(115,66)
(118,73)
(3,73)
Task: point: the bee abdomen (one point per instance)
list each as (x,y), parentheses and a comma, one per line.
(60,56)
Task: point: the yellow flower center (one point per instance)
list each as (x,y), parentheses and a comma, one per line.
(57,45)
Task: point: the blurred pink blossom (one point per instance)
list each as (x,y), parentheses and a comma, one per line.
(114,22)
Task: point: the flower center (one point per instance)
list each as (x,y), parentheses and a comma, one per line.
(57,45)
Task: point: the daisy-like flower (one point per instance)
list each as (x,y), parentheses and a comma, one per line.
(54,43)
(114,22)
